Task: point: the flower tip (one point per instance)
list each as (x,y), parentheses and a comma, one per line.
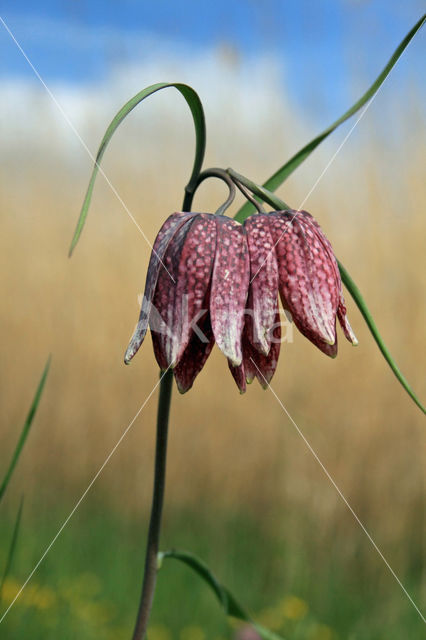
(132,349)
(181,387)
(262,346)
(344,323)
(327,333)
(264,379)
(234,359)
(134,345)
(128,356)
(352,337)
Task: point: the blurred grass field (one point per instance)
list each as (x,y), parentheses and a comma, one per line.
(243,490)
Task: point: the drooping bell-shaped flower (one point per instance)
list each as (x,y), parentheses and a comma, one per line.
(309,280)
(261,338)
(211,279)
(195,293)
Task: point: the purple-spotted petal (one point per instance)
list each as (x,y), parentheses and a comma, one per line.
(162,318)
(230,280)
(263,280)
(344,322)
(245,372)
(189,259)
(341,309)
(164,237)
(195,355)
(325,347)
(308,284)
(256,364)
(265,366)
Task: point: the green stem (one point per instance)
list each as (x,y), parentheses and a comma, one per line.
(150,575)
(152,547)
(214,172)
(262,193)
(246,193)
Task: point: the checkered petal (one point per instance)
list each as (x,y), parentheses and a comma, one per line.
(179,300)
(162,241)
(263,280)
(229,288)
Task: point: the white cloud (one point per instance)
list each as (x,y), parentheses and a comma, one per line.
(244,99)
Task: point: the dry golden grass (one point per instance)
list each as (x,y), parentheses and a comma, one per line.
(226,450)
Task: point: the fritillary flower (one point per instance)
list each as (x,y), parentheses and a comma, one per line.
(211,279)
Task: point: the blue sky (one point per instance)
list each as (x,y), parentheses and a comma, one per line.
(328,49)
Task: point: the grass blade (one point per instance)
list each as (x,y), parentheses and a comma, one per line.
(359,300)
(229,604)
(12,547)
(25,429)
(278,204)
(287,169)
(197,111)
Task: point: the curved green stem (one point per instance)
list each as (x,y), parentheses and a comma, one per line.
(213,172)
(246,193)
(150,575)
(266,195)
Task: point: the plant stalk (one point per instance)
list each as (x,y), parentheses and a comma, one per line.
(150,574)
(151,555)
(214,172)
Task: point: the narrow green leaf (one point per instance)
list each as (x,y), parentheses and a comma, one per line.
(359,300)
(229,604)
(277,203)
(12,547)
(287,169)
(197,111)
(25,429)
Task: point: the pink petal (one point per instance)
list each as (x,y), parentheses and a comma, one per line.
(164,237)
(244,372)
(263,280)
(264,366)
(161,319)
(341,309)
(195,355)
(344,322)
(239,375)
(256,364)
(308,283)
(230,280)
(325,347)
(189,258)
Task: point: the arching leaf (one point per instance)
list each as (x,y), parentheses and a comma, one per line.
(197,111)
(228,602)
(287,169)
(359,300)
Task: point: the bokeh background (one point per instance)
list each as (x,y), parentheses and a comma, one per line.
(243,490)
